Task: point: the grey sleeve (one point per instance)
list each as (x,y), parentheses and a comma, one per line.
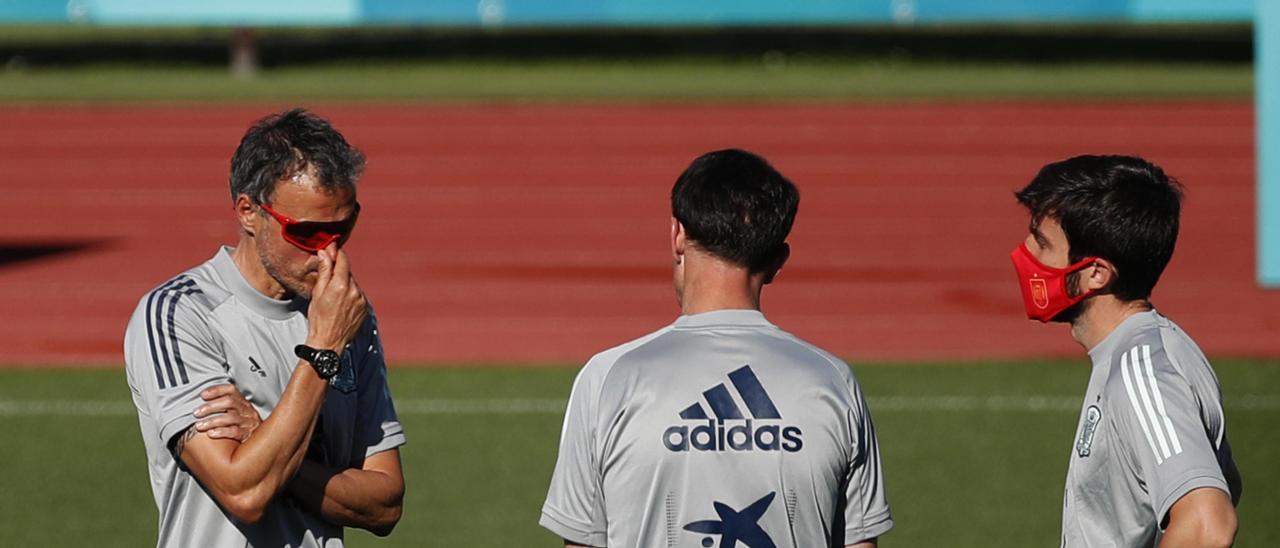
(378,427)
(574,508)
(172,355)
(1160,417)
(866,514)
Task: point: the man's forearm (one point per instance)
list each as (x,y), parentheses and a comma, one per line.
(279,445)
(245,477)
(352,497)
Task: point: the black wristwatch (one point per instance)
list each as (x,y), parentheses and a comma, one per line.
(326,362)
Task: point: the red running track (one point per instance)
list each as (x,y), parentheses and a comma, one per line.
(538,233)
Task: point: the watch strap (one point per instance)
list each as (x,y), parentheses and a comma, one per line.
(305,352)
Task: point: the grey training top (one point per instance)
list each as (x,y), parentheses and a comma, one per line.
(209,326)
(1151,430)
(719,429)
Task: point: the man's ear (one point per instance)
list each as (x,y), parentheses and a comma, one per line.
(1101,275)
(679,240)
(246,214)
(779,259)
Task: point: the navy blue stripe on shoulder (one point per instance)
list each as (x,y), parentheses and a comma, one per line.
(151,327)
(155,327)
(173,333)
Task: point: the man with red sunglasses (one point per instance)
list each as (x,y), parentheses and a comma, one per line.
(276,327)
(1151,465)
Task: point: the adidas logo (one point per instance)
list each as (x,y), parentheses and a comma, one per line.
(713,434)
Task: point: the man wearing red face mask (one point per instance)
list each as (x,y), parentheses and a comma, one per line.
(274,326)
(1151,465)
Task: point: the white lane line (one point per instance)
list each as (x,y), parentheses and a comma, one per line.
(973,403)
(481,407)
(547,406)
(74,408)
(41,408)
(1268,402)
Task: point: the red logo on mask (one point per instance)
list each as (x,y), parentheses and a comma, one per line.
(1039,293)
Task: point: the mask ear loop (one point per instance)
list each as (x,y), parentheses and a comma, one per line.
(1069,269)
(1075,267)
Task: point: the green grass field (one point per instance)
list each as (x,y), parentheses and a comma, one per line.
(975,453)
(646,80)
(409,67)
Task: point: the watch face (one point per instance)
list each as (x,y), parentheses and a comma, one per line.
(327,363)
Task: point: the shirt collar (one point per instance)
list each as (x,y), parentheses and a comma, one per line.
(722,317)
(236,283)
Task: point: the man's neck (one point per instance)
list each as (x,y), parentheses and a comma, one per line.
(711,284)
(1102,316)
(245,256)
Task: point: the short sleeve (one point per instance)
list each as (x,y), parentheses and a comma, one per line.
(1160,418)
(173,355)
(378,427)
(866,512)
(574,508)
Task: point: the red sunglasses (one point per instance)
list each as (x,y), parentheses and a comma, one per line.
(314,235)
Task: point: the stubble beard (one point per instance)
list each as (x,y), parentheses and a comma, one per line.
(1072,313)
(294,285)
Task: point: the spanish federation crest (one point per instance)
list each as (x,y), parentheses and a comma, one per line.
(1092,417)
(345,380)
(1039,292)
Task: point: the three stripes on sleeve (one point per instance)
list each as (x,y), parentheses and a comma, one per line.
(1148,403)
(162,337)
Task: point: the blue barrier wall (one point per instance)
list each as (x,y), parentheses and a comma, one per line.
(33,11)
(1267,42)
(611,12)
(219,12)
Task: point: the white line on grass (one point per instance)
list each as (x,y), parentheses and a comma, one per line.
(1029,403)
(481,407)
(545,406)
(41,408)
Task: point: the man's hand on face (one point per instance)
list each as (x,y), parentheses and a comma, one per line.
(226,414)
(338,306)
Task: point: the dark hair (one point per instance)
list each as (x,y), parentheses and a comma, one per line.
(279,146)
(736,206)
(1120,208)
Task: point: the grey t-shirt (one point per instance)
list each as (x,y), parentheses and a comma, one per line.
(1151,430)
(717,429)
(208,326)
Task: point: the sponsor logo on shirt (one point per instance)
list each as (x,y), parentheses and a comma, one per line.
(254,367)
(736,526)
(728,429)
(1092,417)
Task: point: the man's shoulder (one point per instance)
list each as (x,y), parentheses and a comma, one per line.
(806,358)
(592,376)
(602,362)
(611,356)
(182,306)
(169,318)
(1150,358)
(818,352)
(197,290)
(1138,350)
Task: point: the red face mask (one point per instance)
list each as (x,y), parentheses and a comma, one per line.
(1044,288)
